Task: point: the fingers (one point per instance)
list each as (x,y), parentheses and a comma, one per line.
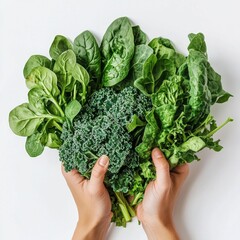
(72,177)
(162,167)
(179,174)
(98,173)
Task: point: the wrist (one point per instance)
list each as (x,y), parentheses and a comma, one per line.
(90,231)
(159,230)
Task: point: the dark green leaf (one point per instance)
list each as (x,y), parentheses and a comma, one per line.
(117,50)
(88,53)
(139,36)
(197,42)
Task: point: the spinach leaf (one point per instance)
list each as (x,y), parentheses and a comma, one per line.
(59,45)
(35,61)
(45,79)
(63,68)
(72,109)
(37,98)
(33,145)
(23,121)
(139,36)
(53,140)
(88,53)
(82,79)
(117,50)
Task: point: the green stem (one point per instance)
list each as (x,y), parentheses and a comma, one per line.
(59,119)
(218,128)
(208,119)
(53,100)
(74,92)
(57,126)
(127,211)
(136,199)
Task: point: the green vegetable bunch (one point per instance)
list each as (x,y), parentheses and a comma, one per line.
(121,99)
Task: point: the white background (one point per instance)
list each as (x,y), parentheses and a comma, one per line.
(35,202)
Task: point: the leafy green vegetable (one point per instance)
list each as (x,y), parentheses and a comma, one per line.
(139,36)
(88,53)
(117,50)
(23,121)
(59,45)
(35,61)
(33,145)
(121,99)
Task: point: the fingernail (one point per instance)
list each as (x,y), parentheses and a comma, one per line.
(103,161)
(157,153)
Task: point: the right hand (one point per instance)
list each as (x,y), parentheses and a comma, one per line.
(155,211)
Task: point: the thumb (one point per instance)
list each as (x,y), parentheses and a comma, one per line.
(98,172)
(162,167)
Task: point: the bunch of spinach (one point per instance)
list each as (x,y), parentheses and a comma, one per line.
(76,81)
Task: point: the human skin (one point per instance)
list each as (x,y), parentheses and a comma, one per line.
(92,200)
(154,212)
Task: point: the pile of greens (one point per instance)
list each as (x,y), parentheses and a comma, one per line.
(121,99)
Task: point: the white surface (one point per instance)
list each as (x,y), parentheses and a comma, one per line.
(34,200)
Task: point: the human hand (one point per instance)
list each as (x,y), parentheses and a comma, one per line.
(92,200)
(155,211)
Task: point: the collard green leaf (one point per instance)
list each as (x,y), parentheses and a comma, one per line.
(23,121)
(139,36)
(117,50)
(88,53)
(33,145)
(35,61)
(59,45)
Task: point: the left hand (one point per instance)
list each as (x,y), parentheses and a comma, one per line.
(92,200)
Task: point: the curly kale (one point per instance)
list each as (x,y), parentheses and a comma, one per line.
(100,128)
